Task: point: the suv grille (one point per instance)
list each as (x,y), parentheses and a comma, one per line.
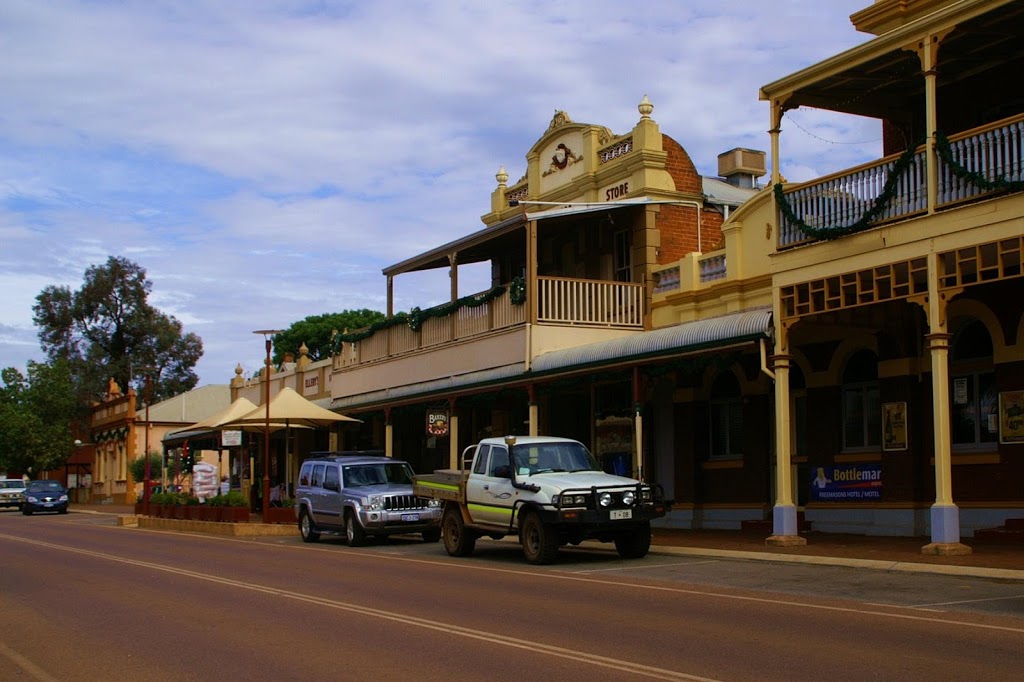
(399,502)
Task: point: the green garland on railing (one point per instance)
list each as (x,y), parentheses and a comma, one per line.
(416,317)
(867,219)
(945,151)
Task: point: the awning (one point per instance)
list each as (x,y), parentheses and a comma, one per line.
(686,338)
(680,340)
(578,208)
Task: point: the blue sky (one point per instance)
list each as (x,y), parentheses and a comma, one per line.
(264,160)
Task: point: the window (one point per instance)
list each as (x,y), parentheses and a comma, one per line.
(481,460)
(862,408)
(318,475)
(499,458)
(973,402)
(726,418)
(331,481)
(623,262)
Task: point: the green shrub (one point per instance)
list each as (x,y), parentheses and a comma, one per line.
(235,498)
(162,498)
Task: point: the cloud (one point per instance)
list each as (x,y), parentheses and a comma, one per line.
(265,160)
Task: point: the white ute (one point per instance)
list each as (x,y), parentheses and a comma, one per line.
(550,492)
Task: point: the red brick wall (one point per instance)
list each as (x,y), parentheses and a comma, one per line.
(678,224)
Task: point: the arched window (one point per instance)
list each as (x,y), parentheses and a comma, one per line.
(726,417)
(862,410)
(973,400)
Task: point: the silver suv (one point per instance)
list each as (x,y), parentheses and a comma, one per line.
(12,492)
(362,496)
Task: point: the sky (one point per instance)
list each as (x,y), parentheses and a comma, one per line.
(264,160)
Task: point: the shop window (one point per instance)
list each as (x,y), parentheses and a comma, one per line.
(862,410)
(726,418)
(973,400)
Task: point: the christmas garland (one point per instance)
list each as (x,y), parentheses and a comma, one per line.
(945,150)
(416,317)
(904,162)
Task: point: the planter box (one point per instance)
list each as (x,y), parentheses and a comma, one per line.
(281,515)
(180,511)
(234,514)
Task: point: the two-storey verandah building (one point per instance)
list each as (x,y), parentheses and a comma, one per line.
(576,336)
(899,334)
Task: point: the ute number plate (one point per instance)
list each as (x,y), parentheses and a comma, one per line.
(617,514)
(410,517)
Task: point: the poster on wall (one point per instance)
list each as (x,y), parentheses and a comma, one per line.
(894,426)
(847,483)
(1011,417)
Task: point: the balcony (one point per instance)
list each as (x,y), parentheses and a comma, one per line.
(971,165)
(560,302)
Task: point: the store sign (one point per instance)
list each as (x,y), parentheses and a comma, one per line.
(230,438)
(437,422)
(847,483)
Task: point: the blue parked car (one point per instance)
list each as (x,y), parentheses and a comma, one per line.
(45,496)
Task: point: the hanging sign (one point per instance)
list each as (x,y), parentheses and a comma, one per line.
(230,438)
(437,422)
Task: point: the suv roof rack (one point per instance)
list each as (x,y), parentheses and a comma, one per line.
(347,453)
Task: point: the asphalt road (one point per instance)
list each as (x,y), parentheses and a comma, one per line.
(83,599)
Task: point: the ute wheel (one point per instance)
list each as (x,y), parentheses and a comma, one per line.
(635,544)
(306,527)
(432,535)
(458,541)
(354,533)
(540,543)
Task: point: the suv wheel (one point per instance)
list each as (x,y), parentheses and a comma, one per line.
(354,533)
(457,539)
(306,528)
(540,543)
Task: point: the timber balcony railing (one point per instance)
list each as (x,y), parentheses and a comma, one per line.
(560,301)
(971,164)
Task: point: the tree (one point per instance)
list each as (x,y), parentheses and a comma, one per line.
(36,413)
(108,329)
(316,331)
(137,466)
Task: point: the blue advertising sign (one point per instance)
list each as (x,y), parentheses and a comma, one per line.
(847,483)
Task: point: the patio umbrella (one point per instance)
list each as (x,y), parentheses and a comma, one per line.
(291,409)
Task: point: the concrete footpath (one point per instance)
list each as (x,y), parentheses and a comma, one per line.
(1003,561)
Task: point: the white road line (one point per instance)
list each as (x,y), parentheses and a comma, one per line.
(491,638)
(555,575)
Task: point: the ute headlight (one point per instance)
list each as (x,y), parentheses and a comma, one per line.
(605,499)
(628,498)
(569,500)
(645,495)
(376,502)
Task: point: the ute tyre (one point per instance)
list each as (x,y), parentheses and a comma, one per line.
(540,543)
(354,533)
(634,545)
(432,535)
(306,527)
(458,541)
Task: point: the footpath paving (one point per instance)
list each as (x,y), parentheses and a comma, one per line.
(987,560)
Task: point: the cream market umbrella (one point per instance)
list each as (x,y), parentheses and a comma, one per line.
(291,409)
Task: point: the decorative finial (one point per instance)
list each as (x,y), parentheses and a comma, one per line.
(501,176)
(239,370)
(645,107)
(303,349)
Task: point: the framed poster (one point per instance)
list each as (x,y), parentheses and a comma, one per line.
(894,426)
(1011,417)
